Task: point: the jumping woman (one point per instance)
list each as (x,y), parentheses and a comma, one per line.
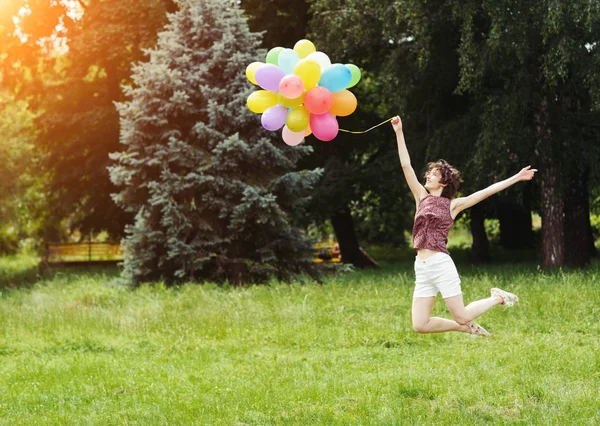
(434,269)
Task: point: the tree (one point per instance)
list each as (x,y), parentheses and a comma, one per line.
(16,152)
(283,21)
(407,51)
(533,67)
(27,28)
(26,59)
(214,195)
(80,125)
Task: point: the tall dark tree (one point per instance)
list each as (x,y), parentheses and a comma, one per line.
(214,195)
(533,66)
(514,216)
(407,51)
(480,251)
(284,22)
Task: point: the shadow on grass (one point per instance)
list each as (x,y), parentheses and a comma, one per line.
(21,279)
(460,254)
(19,272)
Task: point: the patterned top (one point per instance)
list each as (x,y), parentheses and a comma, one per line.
(432,224)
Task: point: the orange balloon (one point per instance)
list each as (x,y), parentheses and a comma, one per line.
(308,131)
(344,103)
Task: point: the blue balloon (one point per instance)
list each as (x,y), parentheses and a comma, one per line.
(287,60)
(335,78)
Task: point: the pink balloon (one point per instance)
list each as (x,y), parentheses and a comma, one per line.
(292,138)
(324,126)
(291,86)
(318,100)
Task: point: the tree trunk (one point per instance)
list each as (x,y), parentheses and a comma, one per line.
(516,230)
(480,250)
(343,227)
(578,229)
(553,210)
(553,213)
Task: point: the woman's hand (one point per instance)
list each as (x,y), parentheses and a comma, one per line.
(526,174)
(397,124)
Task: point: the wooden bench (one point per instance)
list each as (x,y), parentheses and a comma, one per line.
(326,253)
(85,253)
(82,253)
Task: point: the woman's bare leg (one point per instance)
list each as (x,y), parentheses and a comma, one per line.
(424,323)
(463,314)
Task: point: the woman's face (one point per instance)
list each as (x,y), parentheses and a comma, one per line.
(432,180)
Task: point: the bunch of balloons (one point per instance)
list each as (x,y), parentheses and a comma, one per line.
(303,92)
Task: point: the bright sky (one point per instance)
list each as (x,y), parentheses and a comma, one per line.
(56,42)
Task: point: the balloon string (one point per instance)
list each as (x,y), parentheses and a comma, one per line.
(368,130)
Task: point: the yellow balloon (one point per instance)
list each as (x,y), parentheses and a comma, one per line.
(304,48)
(250,70)
(344,103)
(297,119)
(309,71)
(261,100)
(290,103)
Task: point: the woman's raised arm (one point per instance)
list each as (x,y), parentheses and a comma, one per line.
(463,203)
(415,186)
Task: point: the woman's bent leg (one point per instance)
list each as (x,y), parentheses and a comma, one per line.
(423,323)
(463,314)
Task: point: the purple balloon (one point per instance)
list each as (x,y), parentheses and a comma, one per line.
(268,77)
(274,118)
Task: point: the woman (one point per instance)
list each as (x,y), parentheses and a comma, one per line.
(434,269)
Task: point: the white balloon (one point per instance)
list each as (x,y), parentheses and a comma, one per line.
(292,138)
(320,58)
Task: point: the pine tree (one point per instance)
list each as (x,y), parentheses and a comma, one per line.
(215,196)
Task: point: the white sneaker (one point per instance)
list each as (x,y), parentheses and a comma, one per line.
(508,299)
(476,330)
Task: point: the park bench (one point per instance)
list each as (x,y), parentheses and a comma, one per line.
(326,253)
(82,253)
(57,254)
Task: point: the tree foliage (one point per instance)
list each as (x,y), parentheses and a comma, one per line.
(407,52)
(79,123)
(214,195)
(283,22)
(16,152)
(533,68)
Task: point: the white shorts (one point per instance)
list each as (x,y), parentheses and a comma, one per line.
(436,273)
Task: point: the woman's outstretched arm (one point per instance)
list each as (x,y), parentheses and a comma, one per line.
(415,186)
(463,203)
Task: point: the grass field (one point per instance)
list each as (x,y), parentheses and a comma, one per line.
(79,348)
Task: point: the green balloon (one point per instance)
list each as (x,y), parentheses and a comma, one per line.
(273,55)
(355,71)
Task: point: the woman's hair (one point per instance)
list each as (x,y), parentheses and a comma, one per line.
(450,177)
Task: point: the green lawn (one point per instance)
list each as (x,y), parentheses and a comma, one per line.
(79,348)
